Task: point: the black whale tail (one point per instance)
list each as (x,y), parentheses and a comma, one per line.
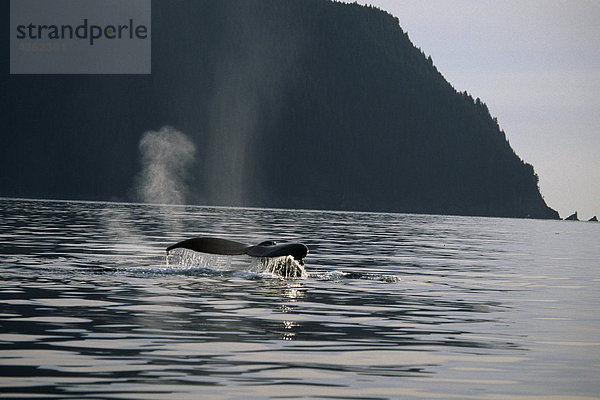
(266,249)
(212,246)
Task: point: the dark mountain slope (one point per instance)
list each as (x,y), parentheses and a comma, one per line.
(308,104)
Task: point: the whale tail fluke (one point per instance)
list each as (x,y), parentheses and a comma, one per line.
(212,246)
(266,249)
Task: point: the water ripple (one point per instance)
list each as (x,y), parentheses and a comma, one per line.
(393,306)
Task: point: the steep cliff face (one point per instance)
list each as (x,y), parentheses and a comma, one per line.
(308,104)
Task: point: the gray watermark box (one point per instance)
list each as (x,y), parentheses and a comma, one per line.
(80,37)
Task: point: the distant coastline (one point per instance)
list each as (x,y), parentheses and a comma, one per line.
(288,104)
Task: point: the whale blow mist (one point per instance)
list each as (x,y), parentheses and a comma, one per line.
(165,156)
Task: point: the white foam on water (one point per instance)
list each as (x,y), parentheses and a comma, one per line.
(285,266)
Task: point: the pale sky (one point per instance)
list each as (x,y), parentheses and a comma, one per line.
(536,64)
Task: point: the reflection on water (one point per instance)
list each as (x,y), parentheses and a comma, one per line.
(394,306)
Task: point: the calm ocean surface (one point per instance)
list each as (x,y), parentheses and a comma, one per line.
(395,306)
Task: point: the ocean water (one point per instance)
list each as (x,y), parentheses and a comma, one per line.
(394,306)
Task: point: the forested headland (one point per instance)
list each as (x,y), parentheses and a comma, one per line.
(295,104)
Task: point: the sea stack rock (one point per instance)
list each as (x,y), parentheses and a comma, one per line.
(593,219)
(572,217)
